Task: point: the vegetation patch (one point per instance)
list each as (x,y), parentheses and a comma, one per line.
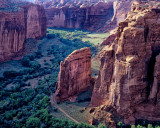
(26,84)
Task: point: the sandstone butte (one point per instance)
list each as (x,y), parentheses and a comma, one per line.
(75,74)
(129,75)
(29,21)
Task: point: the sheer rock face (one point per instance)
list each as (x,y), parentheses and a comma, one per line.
(36,22)
(28,22)
(94,15)
(12,34)
(75,74)
(129,76)
(90,17)
(121,9)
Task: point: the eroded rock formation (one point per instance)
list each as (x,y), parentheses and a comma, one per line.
(129,75)
(90,17)
(75,74)
(94,15)
(121,9)
(17,24)
(61,3)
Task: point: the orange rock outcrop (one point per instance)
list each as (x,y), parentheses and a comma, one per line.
(75,74)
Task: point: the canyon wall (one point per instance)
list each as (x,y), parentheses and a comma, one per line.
(75,74)
(93,15)
(129,75)
(90,17)
(17,24)
(60,3)
(121,9)
(36,21)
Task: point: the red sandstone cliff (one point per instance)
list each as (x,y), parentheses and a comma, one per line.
(129,75)
(75,74)
(94,15)
(90,17)
(17,24)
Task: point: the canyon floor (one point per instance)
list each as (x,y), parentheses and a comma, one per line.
(27,79)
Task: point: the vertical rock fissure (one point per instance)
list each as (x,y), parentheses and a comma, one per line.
(25,20)
(146,32)
(150,72)
(155,102)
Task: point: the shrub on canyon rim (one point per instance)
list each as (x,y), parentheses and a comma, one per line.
(101,126)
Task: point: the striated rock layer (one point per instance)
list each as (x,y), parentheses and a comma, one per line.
(129,75)
(17,24)
(69,3)
(94,15)
(91,17)
(75,74)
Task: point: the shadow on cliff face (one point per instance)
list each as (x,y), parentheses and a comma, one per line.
(86,95)
(150,71)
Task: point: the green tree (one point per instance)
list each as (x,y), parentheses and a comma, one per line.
(120,124)
(44,102)
(25,61)
(101,126)
(150,126)
(8,116)
(133,126)
(157,126)
(35,65)
(33,122)
(139,126)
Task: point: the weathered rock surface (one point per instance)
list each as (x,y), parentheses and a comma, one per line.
(129,76)
(110,39)
(61,3)
(75,74)
(36,21)
(90,17)
(99,15)
(121,9)
(104,114)
(17,24)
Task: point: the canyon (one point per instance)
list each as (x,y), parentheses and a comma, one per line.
(18,22)
(127,86)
